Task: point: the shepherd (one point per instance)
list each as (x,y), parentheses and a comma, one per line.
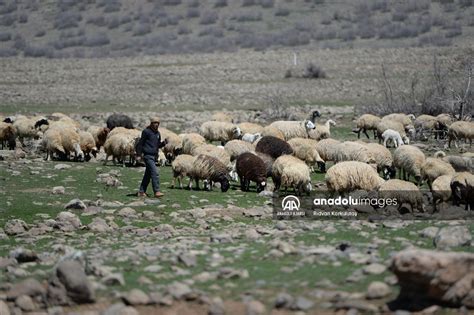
(149,144)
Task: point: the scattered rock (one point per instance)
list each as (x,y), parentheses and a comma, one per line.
(452,236)
(221,238)
(374,269)
(24,255)
(71,274)
(127,212)
(283,300)
(30,287)
(254,308)
(99,225)
(58,190)
(362,306)
(15,227)
(253,212)
(92,210)
(67,221)
(187,259)
(76,204)
(429,232)
(136,297)
(377,290)
(252,234)
(62,166)
(114,279)
(231,273)
(280,225)
(265,193)
(216,307)
(179,290)
(4,310)
(120,309)
(25,303)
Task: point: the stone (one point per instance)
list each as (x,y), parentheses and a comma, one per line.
(15,227)
(283,300)
(76,204)
(378,290)
(58,190)
(362,306)
(136,297)
(114,279)
(25,303)
(30,287)
(99,225)
(187,259)
(120,309)
(62,166)
(221,238)
(302,304)
(216,307)
(429,232)
(252,234)
(452,236)
(7,262)
(24,255)
(280,225)
(265,193)
(179,290)
(127,212)
(435,277)
(374,269)
(4,310)
(254,308)
(71,274)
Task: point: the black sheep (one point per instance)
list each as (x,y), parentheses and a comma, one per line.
(251,168)
(273,146)
(119,120)
(41,122)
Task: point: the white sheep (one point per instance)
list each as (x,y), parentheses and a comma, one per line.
(190,141)
(322,131)
(289,171)
(25,128)
(236,147)
(214,151)
(433,168)
(441,189)
(251,137)
(352,175)
(7,135)
(352,151)
(252,128)
(293,129)
(460,130)
(220,131)
(367,122)
(87,143)
(305,149)
(327,149)
(99,134)
(211,169)
(403,192)
(62,140)
(390,124)
(405,119)
(221,116)
(382,157)
(409,159)
(462,163)
(392,136)
(119,146)
(174,146)
(182,166)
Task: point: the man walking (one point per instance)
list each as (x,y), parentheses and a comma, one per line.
(150,142)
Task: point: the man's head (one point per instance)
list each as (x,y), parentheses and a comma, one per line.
(155,122)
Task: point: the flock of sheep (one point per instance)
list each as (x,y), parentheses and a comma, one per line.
(286,151)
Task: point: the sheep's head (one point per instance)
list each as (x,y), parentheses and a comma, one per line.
(236,132)
(315,114)
(261,186)
(331,122)
(309,125)
(411,116)
(406,140)
(225,185)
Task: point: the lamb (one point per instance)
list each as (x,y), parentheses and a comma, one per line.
(251,168)
(214,151)
(289,171)
(433,168)
(459,163)
(352,151)
(190,141)
(182,166)
(352,175)
(394,125)
(273,146)
(209,168)
(393,136)
(305,149)
(294,129)
(462,189)
(322,131)
(251,137)
(99,134)
(403,192)
(460,130)
(220,131)
(247,127)
(87,143)
(119,120)
(272,131)
(62,141)
(327,149)
(367,122)
(383,158)
(236,147)
(221,116)
(8,135)
(409,160)
(119,146)
(441,189)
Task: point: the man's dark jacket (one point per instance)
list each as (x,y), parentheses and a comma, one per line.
(150,142)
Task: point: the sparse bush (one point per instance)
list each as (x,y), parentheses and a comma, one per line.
(97,21)
(172,2)
(66,20)
(466,3)
(281,11)
(314,71)
(8,7)
(141,29)
(379,5)
(40,33)
(454,31)
(326,33)
(7,20)
(37,51)
(174,20)
(293,38)
(8,52)
(267,3)
(184,30)
(99,39)
(220,3)
(434,40)
(5,37)
(211,31)
(399,16)
(193,4)
(19,42)
(113,22)
(65,5)
(347,35)
(125,19)
(247,16)
(69,42)
(208,17)
(397,30)
(112,6)
(366,30)
(193,13)
(247,3)
(326,20)
(22,18)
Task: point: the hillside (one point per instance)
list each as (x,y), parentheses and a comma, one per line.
(113,28)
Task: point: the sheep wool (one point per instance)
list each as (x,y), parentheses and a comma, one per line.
(190,141)
(119,146)
(433,168)
(289,171)
(209,168)
(367,122)
(220,131)
(409,159)
(182,167)
(322,131)
(305,149)
(99,134)
(273,146)
(327,149)
(7,135)
(293,129)
(441,189)
(236,147)
(352,175)
(460,130)
(214,151)
(221,116)
(273,132)
(87,143)
(250,167)
(253,128)
(403,192)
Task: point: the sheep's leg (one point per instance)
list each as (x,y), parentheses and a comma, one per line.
(106,158)
(190,183)
(247,184)
(365,133)
(242,183)
(174,181)
(197,183)
(375,134)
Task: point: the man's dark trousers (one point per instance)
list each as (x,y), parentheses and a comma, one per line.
(150,173)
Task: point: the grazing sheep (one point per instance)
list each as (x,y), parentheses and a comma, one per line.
(460,130)
(305,149)
(25,129)
(125,131)
(383,158)
(273,146)
(393,136)
(424,124)
(441,189)
(8,135)
(221,116)
(404,119)
(294,129)
(209,168)
(462,189)
(289,171)
(352,151)
(99,134)
(182,166)
(119,146)
(403,192)
(352,175)
(268,161)
(174,147)
(433,168)
(459,163)
(272,131)
(214,151)
(237,147)
(220,131)
(119,120)
(247,127)
(322,131)
(389,124)
(327,149)
(87,143)
(409,159)
(251,137)
(251,168)
(367,122)
(62,141)
(190,141)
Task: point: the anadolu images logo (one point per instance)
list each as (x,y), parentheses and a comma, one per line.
(290,203)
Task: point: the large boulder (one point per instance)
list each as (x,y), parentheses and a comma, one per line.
(431,277)
(71,277)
